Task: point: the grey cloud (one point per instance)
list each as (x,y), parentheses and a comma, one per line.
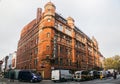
(99,18)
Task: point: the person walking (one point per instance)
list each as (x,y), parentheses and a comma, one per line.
(114,74)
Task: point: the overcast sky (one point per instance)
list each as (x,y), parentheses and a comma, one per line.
(98,18)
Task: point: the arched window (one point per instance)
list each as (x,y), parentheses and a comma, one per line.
(48,34)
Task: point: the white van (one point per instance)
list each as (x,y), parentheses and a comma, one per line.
(61,75)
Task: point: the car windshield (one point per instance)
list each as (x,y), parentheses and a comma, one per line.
(77,73)
(33,74)
(36,74)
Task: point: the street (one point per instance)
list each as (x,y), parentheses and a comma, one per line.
(96,81)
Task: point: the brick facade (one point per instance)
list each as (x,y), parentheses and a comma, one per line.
(53,42)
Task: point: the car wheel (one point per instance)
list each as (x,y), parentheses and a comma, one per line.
(31,81)
(54,81)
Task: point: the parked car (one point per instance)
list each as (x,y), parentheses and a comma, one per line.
(109,74)
(27,75)
(94,74)
(81,75)
(61,75)
(102,74)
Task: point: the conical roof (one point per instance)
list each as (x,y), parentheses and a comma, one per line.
(49,3)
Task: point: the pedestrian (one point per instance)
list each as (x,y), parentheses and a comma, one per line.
(114,74)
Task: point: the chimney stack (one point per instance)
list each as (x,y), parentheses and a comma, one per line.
(39,12)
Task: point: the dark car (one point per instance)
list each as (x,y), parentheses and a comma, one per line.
(27,75)
(94,74)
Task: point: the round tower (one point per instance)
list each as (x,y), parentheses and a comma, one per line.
(46,34)
(49,9)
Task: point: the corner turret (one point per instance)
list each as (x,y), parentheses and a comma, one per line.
(49,9)
(70,22)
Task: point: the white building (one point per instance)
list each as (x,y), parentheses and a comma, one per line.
(11,62)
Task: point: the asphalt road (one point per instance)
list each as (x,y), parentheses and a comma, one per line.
(96,81)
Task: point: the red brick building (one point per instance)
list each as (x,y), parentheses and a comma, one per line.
(53,42)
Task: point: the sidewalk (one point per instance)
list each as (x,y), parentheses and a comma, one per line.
(6,80)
